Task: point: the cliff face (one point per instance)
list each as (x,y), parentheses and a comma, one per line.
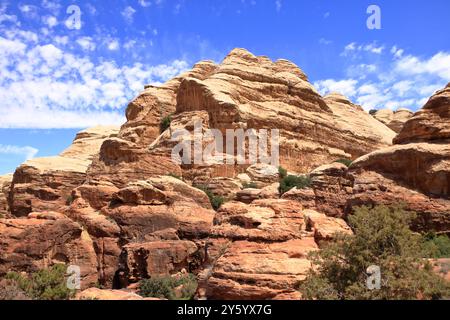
(116,204)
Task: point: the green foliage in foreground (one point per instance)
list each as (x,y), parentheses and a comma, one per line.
(289,182)
(437,245)
(172,288)
(216,201)
(45,284)
(382,238)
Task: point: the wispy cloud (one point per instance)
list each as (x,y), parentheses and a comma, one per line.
(128,14)
(278,5)
(49,86)
(27,152)
(380,78)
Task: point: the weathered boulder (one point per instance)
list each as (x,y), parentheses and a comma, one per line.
(143,260)
(262,220)
(145,207)
(325,228)
(29,245)
(260,271)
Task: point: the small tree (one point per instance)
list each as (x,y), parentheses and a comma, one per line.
(382,238)
(282,172)
(437,245)
(290,182)
(165,123)
(216,201)
(45,284)
(169,287)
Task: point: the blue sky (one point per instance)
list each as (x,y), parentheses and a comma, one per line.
(56,80)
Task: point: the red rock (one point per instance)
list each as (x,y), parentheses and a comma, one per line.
(260,271)
(143,260)
(29,245)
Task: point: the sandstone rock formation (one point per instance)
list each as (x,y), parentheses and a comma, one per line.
(108,294)
(46,183)
(394,120)
(43,239)
(5,184)
(416,170)
(117,205)
(431,124)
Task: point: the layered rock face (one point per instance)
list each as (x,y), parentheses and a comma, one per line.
(43,239)
(115,204)
(416,170)
(394,119)
(46,183)
(246,91)
(266,252)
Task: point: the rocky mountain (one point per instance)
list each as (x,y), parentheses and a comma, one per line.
(115,204)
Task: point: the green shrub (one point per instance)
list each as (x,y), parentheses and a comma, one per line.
(45,284)
(69,200)
(165,123)
(282,172)
(347,162)
(250,185)
(438,246)
(216,201)
(373,112)
(10,290)
(167,287)
(381,238)
(290,182)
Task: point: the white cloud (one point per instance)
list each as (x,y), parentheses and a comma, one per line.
(438,65)
(28,152)
(86,43)
(144,3)
(325,41)
(346,87)
(114,45)
(353,48)
(377,78)
(128,14)
(53,6)
(50,21)
(47,86)
(278,5)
